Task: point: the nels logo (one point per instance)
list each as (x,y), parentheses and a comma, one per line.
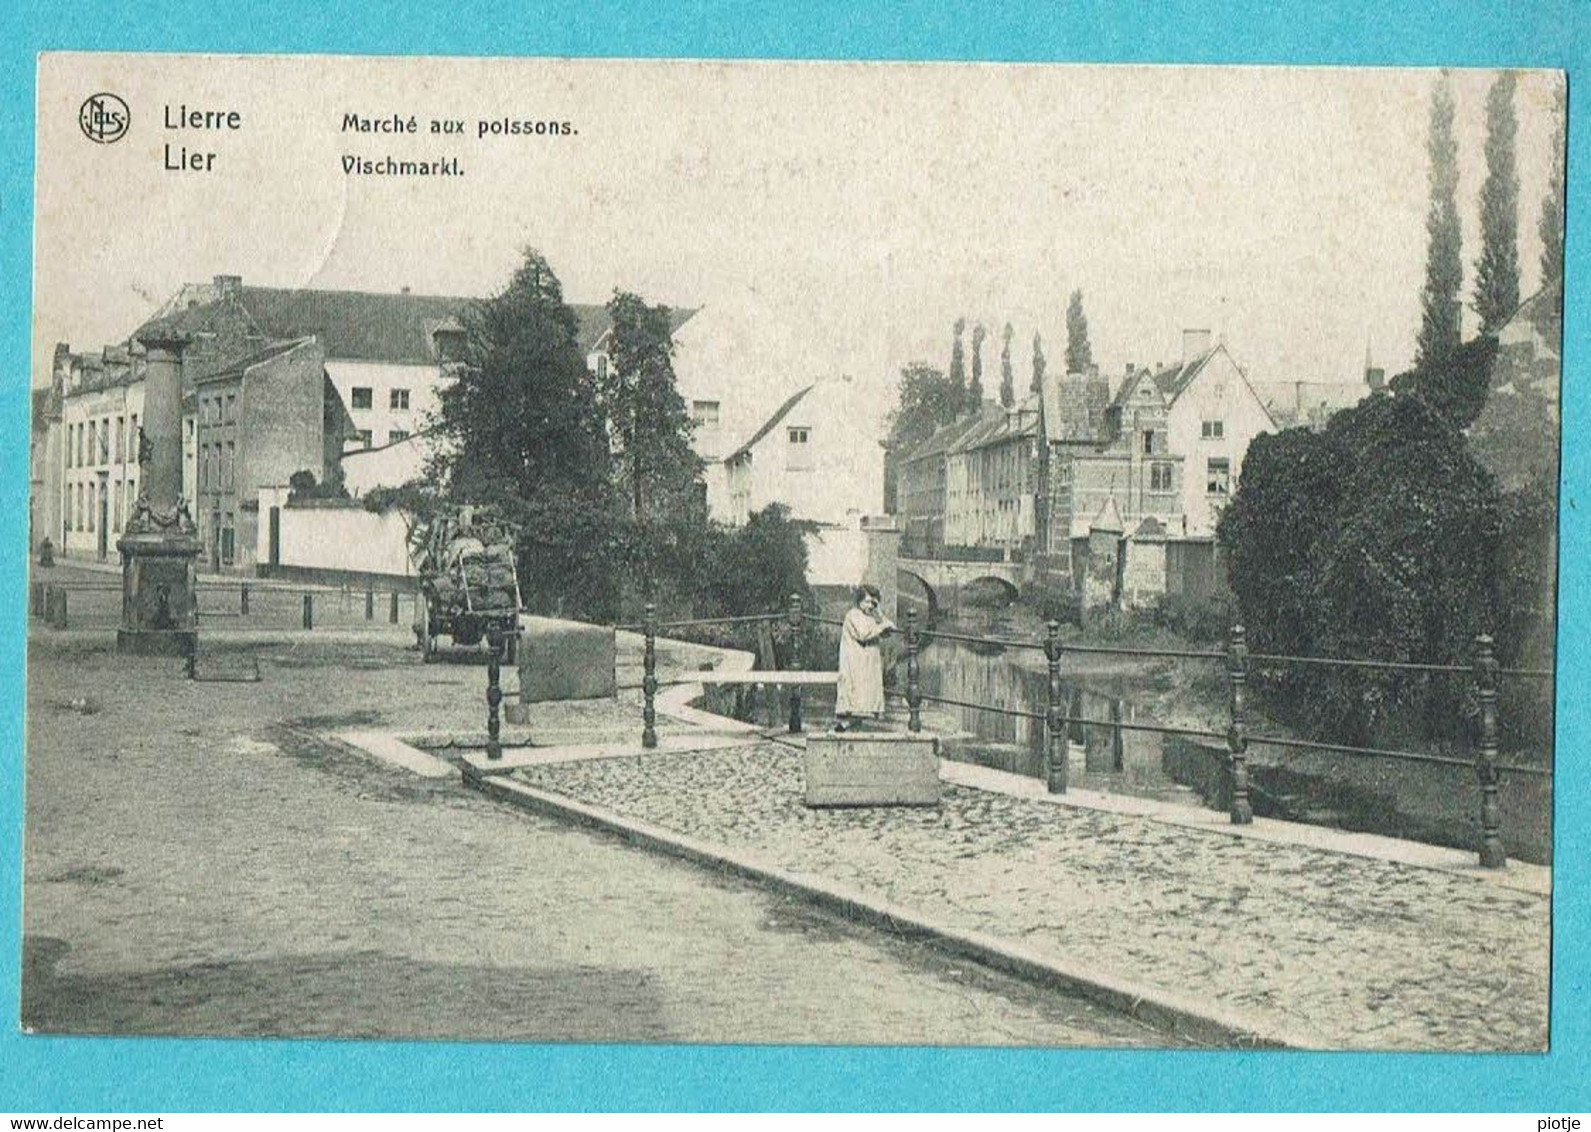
(104,118)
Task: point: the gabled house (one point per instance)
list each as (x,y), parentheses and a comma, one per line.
(815,453)
(1210,415)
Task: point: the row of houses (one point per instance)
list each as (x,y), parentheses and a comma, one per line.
(1134,470)
(345,384)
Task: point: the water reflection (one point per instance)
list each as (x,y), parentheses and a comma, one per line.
(1102,755)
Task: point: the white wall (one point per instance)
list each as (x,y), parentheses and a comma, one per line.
(339,538)
(1221,393)
(844,476)
(423,383)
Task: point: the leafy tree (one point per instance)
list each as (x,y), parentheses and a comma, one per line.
(649,425)
(521,429)
(1497,271)
(1079,355)
(1007,384)
(958,368)
(975,388)
(1550,226)
(1378,537)
(1037,384)
(1439,334)
(927,400)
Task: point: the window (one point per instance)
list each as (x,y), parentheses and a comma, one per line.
(1213,430)
(93,437)
(397,434)
(399,399)
(91,507)
(602,367)
(228,541)
(104,440)
(1149,442)
(204,467)
(77,508)
(118,506)
(230,474)
(121,430)
(705,413)
(1159,477)
(362,437)
(231,408)
(361,397)
(133,434)
(1218,477)
(799,457)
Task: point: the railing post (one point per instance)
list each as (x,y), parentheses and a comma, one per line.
(1236,738)
(370,604)
(649,678)
(309,611)
(914,690)
(392,609)
(1055,767)
(494,695)
(797,624)
(1491,852)
(243,599)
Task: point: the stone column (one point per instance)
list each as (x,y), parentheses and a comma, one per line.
(159,546)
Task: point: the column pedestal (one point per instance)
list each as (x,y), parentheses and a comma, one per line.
(160,614)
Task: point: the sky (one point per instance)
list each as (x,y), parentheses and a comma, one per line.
(855,209)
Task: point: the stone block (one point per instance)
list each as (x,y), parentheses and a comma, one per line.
(859,768)
(565,660)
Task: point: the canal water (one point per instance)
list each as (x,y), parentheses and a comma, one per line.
(1423,802)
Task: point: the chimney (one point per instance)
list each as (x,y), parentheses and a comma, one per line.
(1131,369)
(1194,343)
(227,285)
(404,290)
(1376,377)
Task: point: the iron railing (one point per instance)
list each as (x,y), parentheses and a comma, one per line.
(1236,660)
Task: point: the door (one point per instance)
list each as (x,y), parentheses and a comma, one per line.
(215,542)
(276,537)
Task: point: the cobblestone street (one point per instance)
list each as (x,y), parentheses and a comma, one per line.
(201,859)
(1356,952)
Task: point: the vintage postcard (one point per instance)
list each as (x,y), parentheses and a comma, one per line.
(734,552)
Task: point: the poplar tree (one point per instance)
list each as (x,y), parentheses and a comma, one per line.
(1038,364)
(1007,385)
(958,366)
(1079,355)
(975,388)
(1444,266)
(1550,226)
(1497,271)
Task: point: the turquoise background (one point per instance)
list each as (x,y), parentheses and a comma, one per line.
(148,1074)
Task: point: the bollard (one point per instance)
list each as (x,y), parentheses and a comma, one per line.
(649,678)
(914,691)
(1055,768)
(36,599)
(797,625)
(1236,739)
(191,656)
(1491,852)
(370,605)
(55,606)
(309,611)
(494,695)
(243,600)
(392,610)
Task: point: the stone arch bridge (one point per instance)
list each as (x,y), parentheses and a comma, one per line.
(943,581)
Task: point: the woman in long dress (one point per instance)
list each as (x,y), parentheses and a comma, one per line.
(860,690)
